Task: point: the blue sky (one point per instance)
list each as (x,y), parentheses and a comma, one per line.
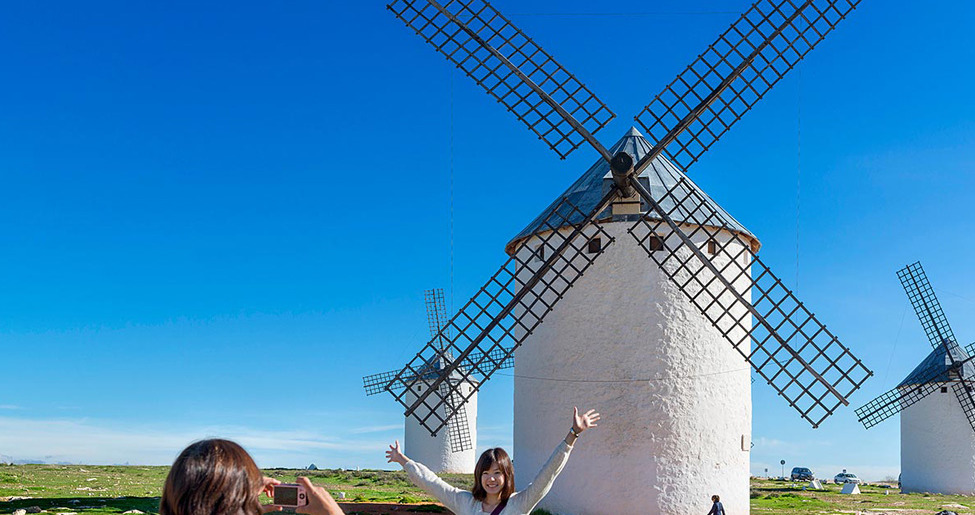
(217,218)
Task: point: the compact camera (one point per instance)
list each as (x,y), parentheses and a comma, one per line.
(289,495)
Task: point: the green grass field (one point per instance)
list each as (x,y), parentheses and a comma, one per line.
(96,490)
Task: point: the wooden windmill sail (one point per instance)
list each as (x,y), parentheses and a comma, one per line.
(783,341)
(458,427)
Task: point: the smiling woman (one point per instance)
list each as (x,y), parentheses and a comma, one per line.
(494,477)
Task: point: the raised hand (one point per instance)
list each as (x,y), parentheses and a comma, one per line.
(394,454)
(582,422)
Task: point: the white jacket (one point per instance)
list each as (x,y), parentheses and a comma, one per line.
(462,502)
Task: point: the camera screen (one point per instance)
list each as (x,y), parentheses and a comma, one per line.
(286,495)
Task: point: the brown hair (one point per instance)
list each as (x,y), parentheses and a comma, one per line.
(715,498)
(489,458)
(212,477)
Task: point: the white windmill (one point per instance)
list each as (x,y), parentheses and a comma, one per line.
(451,450)
(937,428)
(647,342)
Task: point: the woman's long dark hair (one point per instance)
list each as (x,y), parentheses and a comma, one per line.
(212,477)
(487,459)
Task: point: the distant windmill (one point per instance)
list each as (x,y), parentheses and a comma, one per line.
(937,437)
(452,451)
(647,345)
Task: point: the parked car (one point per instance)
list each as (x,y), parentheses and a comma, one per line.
(801,474)
(846,477)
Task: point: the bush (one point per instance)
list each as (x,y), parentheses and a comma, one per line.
(774,495)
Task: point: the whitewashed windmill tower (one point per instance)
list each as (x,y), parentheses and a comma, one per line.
(446,451)
(936,402)
(646,341)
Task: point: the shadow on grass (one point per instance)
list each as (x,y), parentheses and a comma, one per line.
(80,505)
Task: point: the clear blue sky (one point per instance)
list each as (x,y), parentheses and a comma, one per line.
(217,218)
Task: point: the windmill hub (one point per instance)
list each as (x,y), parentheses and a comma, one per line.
(622,167)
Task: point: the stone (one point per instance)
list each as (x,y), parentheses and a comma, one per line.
(815,485)
(946,512)
(20,512)
(133,512)
(34,509)
(312,467)
(850,489)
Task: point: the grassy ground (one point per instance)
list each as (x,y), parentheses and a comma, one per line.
(89,490)
(780,498)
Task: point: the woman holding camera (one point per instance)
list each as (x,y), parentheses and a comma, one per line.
(218,477)
(494,477)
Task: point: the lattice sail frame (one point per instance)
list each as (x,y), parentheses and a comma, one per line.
(436,310)
(735,72)
(458,431)
(795,353)
(896,400)
(506,63)
(935,324)
(926,305)
(384,381)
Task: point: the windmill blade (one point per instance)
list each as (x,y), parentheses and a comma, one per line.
(501,357)
(383,381)
(926,304)
(898,399)
(493,324)
(733,74)
(512,68)
(731,286)
(458,431)
(964,372)
(966,397)
(436,311)
(927,378)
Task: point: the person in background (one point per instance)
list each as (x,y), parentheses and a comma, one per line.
(494,477)
(716,508)
(218,477)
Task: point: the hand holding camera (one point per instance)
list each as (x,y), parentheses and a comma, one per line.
(304,497)
(290,496)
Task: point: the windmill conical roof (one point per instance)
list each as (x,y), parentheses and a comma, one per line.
(934,368)
(434,367)
(662,175)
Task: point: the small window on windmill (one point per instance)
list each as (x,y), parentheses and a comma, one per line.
(712,247)
(595,245)
(540,252)
(654,243)
(944,389)
(418,388)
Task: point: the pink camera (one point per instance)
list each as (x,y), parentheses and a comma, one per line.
(289,495)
